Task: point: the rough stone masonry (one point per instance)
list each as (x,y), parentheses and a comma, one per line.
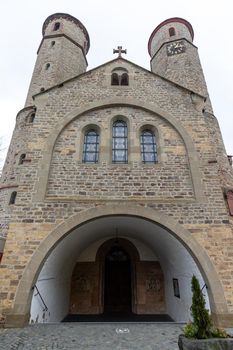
(46,186)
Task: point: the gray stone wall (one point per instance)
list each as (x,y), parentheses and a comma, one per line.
(65,57)
(70,177)
(162,35)
(170,178)
(53,184)
(68,27)
(184,69)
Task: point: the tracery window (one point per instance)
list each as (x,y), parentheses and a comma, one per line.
(119,142)
(148,147)
(91,147)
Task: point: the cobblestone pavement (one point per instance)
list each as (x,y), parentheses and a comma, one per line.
(95,336)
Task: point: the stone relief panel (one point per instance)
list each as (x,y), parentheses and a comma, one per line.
(150,288)
(84,297)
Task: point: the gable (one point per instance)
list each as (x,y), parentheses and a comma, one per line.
(143,85)
(101,73)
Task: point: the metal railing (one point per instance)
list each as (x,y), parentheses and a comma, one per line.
(38,293)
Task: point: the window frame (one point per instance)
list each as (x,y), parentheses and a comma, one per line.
(114,141)
(153,143)
(119,77)
(124,79)
(115,79)
(86,143)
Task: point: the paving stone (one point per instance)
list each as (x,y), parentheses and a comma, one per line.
(95,336)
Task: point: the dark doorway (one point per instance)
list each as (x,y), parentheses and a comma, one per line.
(117,282)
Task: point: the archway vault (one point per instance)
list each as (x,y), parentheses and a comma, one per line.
(19,315)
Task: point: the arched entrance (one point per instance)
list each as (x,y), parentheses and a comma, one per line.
(117,279)
(81,261)
(117,258)
(117,282)
(167,238)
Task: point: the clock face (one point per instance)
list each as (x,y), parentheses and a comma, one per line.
(175,48)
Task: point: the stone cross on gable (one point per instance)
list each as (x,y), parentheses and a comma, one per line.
(119,51)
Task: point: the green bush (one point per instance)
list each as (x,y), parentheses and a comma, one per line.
(201,327)
(190,330)
(201,317)
(218,333)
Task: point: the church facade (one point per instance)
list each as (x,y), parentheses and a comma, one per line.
(116,187)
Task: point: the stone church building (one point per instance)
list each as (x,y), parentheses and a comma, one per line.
(116,187)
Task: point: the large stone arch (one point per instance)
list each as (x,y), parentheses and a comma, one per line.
(19,315)
(43,172)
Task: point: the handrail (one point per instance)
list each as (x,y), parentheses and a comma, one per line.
(38,293)
(205,286)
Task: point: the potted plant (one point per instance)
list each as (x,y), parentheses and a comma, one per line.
(200,334)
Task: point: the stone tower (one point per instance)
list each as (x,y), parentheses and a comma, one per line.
(169,39)
(61,54)
(116,187)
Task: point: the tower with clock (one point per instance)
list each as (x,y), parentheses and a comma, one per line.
(175,47)
(174,56)
(116,187)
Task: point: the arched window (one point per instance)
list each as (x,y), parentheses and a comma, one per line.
(47,66)
(22,158)
(56,26)
(119,77)
(115,79)
(148,147)
(91,147)
(13,197)
(124,79)
(52,43)
(172,31)
(31,117)
(119,142)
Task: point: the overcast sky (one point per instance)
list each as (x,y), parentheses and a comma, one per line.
(111,23)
